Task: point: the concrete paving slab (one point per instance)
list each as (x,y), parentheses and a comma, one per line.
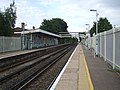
(75,77)
(69,79)
(102,75)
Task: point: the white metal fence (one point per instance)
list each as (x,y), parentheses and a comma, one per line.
(108,46)
(10,43)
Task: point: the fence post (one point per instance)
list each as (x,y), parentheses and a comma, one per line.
(105,45)
(95,47)
(92,45)
(3,44)
(113,48)
(100,45)
(31,41)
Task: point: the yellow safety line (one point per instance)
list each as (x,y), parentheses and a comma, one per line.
(88,74)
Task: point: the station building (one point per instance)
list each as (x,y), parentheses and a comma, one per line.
(36,38)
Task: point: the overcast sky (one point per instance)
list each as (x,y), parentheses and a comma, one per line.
(75,12)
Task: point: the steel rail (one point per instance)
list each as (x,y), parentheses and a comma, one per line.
(8,77)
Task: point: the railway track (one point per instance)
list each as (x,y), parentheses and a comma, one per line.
(29,69)
(9,62)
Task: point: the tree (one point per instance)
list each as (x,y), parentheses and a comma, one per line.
(7,20)
(93,29)
(2,24)
(5,29)
(103,25)
(54,25)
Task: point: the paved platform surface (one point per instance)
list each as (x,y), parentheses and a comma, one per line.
(84,72)
(13,53)
(75,76)
(102,74)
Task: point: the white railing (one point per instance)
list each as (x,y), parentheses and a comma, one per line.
(108,46)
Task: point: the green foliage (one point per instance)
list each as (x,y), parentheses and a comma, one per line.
(54,25)
(68,40)
(82,33)
(71,39)
(93,29)
(5,29)
(7,20)
(74,40)
(1,23)
(103,25)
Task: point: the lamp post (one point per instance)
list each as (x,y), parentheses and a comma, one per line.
(96,20)
(23,34)
(23,28)
(88,26)
(96,30)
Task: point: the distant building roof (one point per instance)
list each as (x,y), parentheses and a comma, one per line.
(65,35)
(38,30)
(18,29)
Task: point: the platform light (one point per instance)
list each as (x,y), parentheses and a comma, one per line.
(96,29)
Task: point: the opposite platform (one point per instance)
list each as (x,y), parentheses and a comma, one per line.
(14,53)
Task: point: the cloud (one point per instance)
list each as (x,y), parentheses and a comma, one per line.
(28,13)
(4,4)
(47,2)
(75,12)
(111,4)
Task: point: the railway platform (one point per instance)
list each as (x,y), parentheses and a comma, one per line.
(84,72)
(14,53)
